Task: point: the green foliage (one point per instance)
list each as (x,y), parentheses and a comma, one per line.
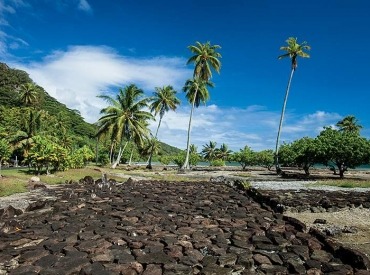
(165,160)
(217,162)
(265,158)
(209,151)
(301,153)
(80,157)
(11,83)
(245,157)
(180,159)
(343,149)
(5,151)
(45,153)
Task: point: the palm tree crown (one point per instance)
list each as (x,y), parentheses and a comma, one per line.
(209,151)
(196,91)
(125,117)
(28,93)
(349,124)
(164,100)
(293,50)
(205,57)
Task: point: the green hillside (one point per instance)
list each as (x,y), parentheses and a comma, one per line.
(13,112)
(11,79)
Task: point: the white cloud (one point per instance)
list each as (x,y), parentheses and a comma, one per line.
(76,76)
(252,126)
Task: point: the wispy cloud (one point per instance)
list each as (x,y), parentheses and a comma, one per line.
(83,5)
(254,126)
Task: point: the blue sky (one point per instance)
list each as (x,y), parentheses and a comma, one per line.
(77,49)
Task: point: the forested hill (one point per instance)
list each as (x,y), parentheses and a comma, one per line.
(12,79)
(12,108)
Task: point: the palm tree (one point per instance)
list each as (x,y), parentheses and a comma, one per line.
(125,118)
(209,151)
(32,124)
(196,93)
(293,51)
(223,152)
(28,93)
(205,59)
(349,124)
(164,100)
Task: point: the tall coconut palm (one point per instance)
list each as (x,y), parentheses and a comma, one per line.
(125,118)
(205,58)
(164,100)
(293,51)
(28,93)
(196,93)
(349,124)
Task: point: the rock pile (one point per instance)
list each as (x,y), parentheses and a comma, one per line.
(315,201)
(151,227)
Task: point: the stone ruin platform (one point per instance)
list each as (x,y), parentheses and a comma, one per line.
(153,227)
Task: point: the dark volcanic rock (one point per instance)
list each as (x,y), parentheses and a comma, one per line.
(150,227)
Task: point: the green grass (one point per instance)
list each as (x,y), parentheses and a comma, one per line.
(16,181)
(346,183)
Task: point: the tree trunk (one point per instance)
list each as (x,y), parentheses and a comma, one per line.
(149,166)
(96,151)
(111,153)
(186,165)
(277,165)
(120,152)
(342,169)
(129,162)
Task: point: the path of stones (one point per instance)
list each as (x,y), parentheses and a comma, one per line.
(154,228)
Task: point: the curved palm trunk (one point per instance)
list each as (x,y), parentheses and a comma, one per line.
(120,152)
(149,166)
(132,152)
(277,165)
(186,163)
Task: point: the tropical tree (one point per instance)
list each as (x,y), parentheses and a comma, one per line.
(293,51)
(301,153)
(245,156)
(163,101)
(342,149)
(4,151)
(196,93)
(28,93)
(32,123)
(152,146)
(209,151)
(349,124)
(223,152)
(44,153)
(265,158)
(205,58)
(125,117)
